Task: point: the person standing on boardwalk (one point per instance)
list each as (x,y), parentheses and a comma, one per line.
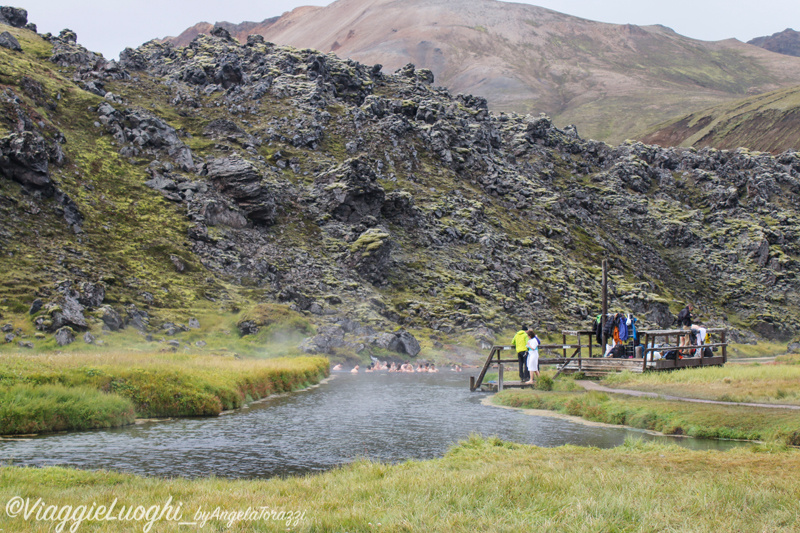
(685,321)
(533,355)
(520,343)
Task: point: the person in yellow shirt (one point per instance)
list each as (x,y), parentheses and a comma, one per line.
(520,343)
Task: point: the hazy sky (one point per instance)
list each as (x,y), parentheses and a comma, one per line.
(108,26)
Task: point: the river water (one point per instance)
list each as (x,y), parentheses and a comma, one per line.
(380,416)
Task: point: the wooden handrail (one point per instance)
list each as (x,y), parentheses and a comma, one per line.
(677,331)
(577,356)
(495,349)
(687,347)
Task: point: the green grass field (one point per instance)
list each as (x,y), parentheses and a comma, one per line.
(756,383)
(479,485)
(669,417)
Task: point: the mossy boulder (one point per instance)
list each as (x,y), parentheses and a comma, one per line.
(273,318)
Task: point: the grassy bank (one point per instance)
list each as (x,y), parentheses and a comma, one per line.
(761,349)
(46,408)
(669,417)
(773,383)
(479,485)
(79,391)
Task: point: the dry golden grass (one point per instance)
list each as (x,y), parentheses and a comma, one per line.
(758,383)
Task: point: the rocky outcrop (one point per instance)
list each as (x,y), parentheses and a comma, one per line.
(9,41)
(65,312)
(111,319)
(239,179)
(64,336)
(137,318)
(353,337)
(25,159)
(138,132)
(405,342)
(350,193)
(370,255)
(13,16)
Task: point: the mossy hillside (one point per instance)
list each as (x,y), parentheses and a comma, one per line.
(218,334)
(129,232)
(487,238)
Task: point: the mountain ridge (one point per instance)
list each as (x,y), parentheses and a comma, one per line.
(785,42)
(769,122)
(380,207)
(613,81)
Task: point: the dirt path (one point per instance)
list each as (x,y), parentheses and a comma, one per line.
(749,360)
(592,386)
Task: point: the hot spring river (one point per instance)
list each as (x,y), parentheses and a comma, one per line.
(386,417)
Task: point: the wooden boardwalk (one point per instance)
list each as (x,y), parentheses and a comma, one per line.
(600,366)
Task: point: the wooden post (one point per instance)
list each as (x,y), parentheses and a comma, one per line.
(500,377)
(605,306)
(702,354)
(472,383)
(724,347)
(580,351)
(486,365)
(564,343)
(644,352)
(590,345)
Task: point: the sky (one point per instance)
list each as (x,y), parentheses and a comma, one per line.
(108,26)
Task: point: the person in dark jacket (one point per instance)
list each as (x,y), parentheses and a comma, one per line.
(685,321)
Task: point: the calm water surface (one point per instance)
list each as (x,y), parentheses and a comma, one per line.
(386,417)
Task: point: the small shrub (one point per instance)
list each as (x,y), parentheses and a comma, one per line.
(544,383)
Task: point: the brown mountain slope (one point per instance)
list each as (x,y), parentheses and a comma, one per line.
(241,30)
(612,81)
(785,42)
(767,122)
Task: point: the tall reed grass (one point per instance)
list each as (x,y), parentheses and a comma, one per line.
(28,408)
(156,385)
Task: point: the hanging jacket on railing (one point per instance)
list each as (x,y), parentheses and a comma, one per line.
(623,328)
(597,329)
(608,329)
(634,333)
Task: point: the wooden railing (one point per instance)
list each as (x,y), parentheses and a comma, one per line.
(495,355)
(650,337)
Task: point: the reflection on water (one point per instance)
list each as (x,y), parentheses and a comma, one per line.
(381,416)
